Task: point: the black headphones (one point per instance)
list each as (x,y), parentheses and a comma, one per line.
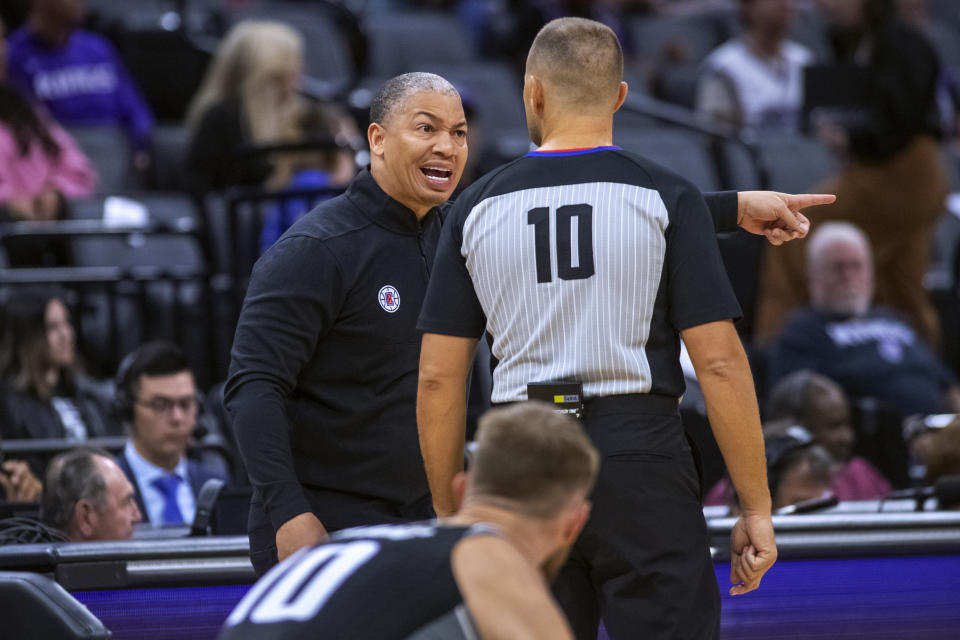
(124,398)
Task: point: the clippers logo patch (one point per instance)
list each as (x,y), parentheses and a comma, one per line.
(389,298)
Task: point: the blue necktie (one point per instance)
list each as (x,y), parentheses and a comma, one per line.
(167,485)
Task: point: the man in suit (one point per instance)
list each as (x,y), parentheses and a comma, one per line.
(157,397)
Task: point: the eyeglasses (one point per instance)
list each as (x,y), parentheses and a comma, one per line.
(165,405)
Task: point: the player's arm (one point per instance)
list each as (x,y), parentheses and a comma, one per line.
(724,376)
(507,598)
(445,363)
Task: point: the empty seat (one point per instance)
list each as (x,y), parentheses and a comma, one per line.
(170,142)
(406,41)
(796,163)
(109,152)
(180,250)
(684,152)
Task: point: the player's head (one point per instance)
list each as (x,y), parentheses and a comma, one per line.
(840,269)
(538,464)
(418,140)
(574,67)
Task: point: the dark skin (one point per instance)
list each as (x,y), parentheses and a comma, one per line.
(829,422)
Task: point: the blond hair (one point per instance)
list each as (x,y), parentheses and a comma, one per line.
(530,455)
(249,67)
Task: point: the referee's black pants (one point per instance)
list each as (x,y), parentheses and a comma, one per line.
(642,563)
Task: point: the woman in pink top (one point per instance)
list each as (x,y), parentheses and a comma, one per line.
(40,165)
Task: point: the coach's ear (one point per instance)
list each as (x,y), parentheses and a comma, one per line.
(459,488)
(375,135)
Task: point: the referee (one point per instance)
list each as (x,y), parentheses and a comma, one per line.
(586,264)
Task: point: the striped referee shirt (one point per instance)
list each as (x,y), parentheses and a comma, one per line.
(581,265)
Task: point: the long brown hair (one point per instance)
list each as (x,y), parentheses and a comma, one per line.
(24,348)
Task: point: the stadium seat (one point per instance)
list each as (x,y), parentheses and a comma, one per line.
(34,606)
(170,143)
(682,151)
(407,41)
(109,152)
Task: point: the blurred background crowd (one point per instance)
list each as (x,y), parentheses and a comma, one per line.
(151,150)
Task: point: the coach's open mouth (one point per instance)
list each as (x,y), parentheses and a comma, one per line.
(437,175)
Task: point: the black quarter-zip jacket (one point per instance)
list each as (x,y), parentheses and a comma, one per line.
(323,373)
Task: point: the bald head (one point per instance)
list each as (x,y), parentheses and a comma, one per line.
(396,91)
(579,61)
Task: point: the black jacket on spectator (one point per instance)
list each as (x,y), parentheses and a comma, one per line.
(25,415)
(215,156)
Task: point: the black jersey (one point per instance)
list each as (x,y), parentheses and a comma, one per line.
(388,582)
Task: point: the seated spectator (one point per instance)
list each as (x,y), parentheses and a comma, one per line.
(756,79)
(809,406)
(307,169)
(77,75)
(893,183)
(88,497)
(249,97)
(798,469)
(40,165)
(943,453)
(870,351)
(820,406)
(157,397)
(18,482)
(45,394)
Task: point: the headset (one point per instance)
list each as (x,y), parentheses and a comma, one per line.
(124,399)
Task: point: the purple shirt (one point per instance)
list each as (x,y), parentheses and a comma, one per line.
(82,83)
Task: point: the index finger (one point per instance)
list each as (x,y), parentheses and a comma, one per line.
(803,200)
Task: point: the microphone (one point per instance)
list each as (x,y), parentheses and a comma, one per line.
(946,490)
(206,500)
(808,506)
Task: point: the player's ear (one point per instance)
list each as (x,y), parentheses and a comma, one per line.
(576,520)
(375,135)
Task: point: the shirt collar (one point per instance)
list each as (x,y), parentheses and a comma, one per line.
(383,210)
(146,472)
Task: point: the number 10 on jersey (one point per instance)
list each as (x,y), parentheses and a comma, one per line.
(574,224)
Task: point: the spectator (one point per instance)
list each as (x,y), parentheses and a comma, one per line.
(248,98)
(40,165)
(157,398)
(798,470)
(18,482)
(892,184)
(819,405)
(88,498)
(943,453)
(319,168)
(45,393)
(756,79)
(870,351)
(77,74)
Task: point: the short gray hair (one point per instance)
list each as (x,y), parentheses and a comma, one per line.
(829,233)
(397,89)
(71,477)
